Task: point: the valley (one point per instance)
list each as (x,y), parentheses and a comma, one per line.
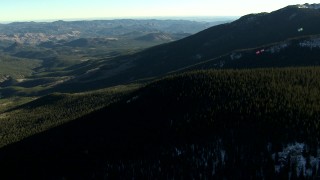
(53,53)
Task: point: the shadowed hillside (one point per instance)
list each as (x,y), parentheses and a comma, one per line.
(214,124)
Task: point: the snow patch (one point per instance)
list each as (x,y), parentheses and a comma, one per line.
(235,56)
(132,99)
(294,156)
(277,48)
(210,157)
(309,6)
(312,43)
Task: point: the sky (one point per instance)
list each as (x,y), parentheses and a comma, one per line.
(37,10)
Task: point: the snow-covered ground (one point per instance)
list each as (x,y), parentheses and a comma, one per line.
(132,99)
(295,156)
(310,6)
(312,43)
(277,48)
(235,56)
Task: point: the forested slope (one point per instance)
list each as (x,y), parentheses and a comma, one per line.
(247,124)
(52,110)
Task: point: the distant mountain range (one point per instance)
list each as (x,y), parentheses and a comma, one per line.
(36,32)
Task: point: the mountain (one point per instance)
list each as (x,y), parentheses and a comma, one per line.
(204,107)
(216,45)
(89,63)
(249,31)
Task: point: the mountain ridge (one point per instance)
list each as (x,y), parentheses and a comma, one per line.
(248,32)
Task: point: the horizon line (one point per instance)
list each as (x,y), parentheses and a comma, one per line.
(191,18)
